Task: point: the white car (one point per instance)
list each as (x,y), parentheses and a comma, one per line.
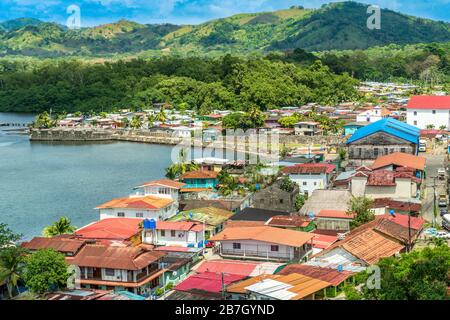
(442,234)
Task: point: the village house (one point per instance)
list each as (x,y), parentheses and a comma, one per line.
(334,220)
(398,161)
(112,231)
(385,184)
(213,218)
(146,207)
(307,128)
(132,269)
(383,137)
(295,222)
(326,200)
(372,115)
(278,287)
(199,180)
(264,243)
(204,286)
(163,188)
(275,197)
(382,206)
(67,246)
(336,278)
(384,237)
(351,127)
(424,111)
(310,176)
(171,233)
(257,215)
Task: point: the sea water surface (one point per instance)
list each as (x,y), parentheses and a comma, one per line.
(40,182)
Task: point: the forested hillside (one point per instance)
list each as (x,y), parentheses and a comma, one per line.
(196,83)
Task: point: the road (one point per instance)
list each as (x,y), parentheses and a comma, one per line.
(435,160)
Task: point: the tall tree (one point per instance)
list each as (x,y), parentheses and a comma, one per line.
(11,268)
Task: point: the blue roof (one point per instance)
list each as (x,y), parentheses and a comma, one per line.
(390,126)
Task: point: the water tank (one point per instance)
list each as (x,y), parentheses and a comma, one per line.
(149,224)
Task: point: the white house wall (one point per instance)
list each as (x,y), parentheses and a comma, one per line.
(420,118)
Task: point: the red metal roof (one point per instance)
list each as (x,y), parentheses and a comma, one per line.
(243,268)
(179,226)
(429,102)
(325,274)
(110,229)
(208,282)
(322,241)
(308,168)
(402,219)
(334,214)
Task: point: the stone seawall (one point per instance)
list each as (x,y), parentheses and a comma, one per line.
(159,137)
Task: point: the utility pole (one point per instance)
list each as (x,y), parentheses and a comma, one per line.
(223,287)
(409,226)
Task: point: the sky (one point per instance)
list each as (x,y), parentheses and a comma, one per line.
(95,12)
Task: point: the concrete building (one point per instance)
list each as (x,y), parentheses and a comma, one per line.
(275,198)
(264,243)
(382,138)
(311,176)
(423,111)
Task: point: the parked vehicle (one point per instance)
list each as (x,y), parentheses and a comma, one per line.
(441,173)
(443,200)
(442,235)
(443,212)
(446,222)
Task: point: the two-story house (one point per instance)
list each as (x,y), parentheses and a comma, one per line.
(311,176)
(163,188)
(199,180)
(173,233)
(119,268)
(144,207)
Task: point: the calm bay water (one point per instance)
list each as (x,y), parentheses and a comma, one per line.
(39,182)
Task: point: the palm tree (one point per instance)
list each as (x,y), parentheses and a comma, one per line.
(430,126)
(162,116)
(11,268)
(62,226)
(443,127)
(136,122)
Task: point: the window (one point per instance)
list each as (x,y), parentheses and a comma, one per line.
(110,272)
(121,214)
(386,150)
(281,200)
(415,122)
(163,233)
(236,246)
(274,248)
(315,183)
(304,183)
(375,152)
(403,150)
(415,113)
(172,233)
(139,215)
(434,111)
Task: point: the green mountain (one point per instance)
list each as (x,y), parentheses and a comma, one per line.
(15,24)
(337,26)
